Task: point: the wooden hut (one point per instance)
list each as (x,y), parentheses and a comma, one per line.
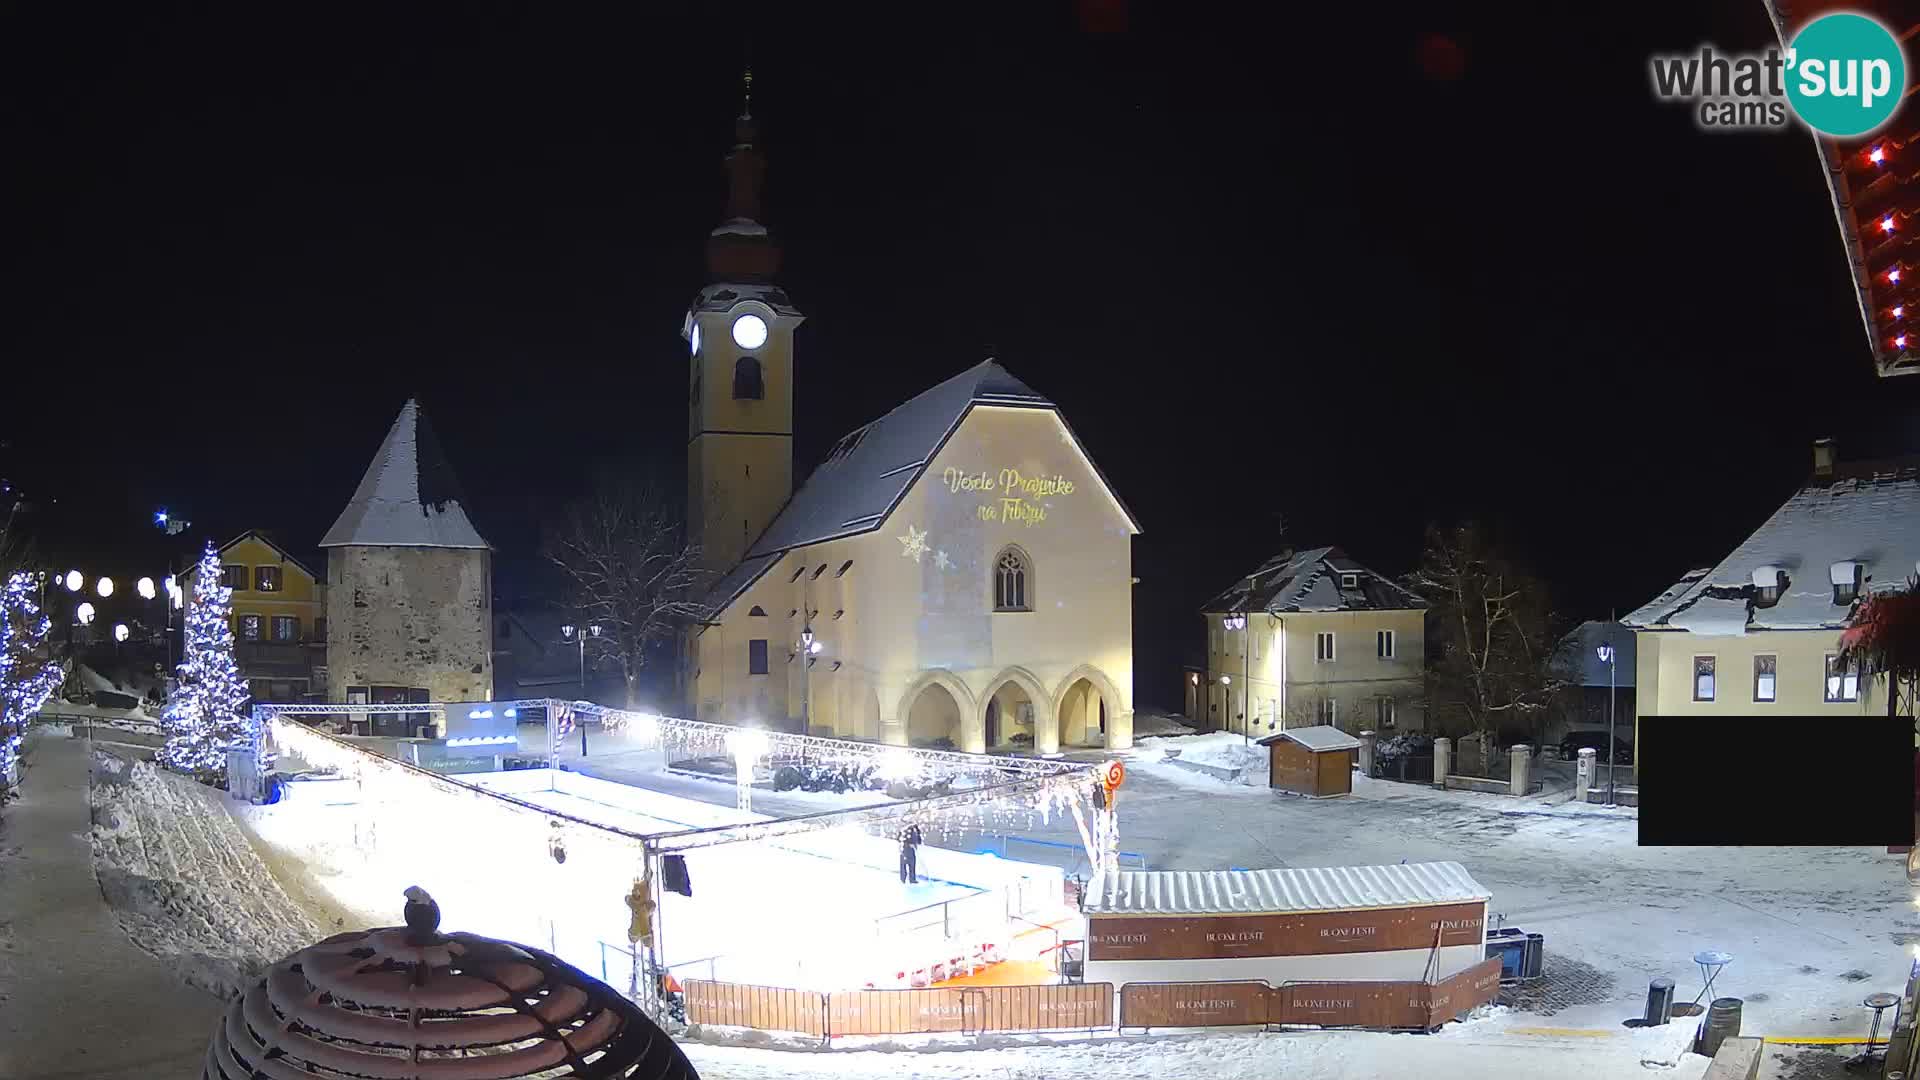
(1313,761)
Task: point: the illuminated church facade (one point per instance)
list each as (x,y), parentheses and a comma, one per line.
(956,573)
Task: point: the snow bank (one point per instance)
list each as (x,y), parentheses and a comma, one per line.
(1242,761)
(1469,1051)
(183,880)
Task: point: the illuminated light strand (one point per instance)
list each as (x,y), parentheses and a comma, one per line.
(206,711)
(28,673)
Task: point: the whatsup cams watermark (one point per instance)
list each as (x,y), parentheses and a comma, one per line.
(1842,75)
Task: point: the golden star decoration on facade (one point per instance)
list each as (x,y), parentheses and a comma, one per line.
(914,544)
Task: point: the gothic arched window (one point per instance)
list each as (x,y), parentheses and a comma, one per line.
(746,379)
(1012,581)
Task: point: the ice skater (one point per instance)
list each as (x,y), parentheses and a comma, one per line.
(910,855)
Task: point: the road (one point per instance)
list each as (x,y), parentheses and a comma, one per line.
(112,1012)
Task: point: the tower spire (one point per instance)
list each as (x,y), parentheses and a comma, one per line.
(740,249)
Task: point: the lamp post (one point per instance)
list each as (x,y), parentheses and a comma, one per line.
(1226,699)
(1606,654)
(809,648)
(579,635)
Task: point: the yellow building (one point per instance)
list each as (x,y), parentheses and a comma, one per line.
(1760,632)
(1312,637)
(279,617)
(956,572)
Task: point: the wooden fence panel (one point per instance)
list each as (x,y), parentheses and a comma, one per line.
(895,1012)
(768,1008)
(1060,1007)
(1198,1004)
(1462,992)
(1386,1005)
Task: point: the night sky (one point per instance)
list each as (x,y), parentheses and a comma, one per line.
(1363,270)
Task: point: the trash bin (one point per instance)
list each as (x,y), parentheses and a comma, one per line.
(1510,946)
(1659,1002)
(1533,957)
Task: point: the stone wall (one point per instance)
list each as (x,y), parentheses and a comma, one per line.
(410,616)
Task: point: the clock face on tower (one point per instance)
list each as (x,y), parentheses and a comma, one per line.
(749,331)
(693,340)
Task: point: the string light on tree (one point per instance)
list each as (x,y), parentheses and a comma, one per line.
(28,673)
(207,710)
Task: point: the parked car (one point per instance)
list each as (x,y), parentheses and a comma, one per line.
(1596,741)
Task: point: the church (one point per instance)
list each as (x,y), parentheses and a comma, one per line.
(956,573)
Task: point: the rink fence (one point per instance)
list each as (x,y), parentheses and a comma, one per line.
(960,1010)
(977,1010)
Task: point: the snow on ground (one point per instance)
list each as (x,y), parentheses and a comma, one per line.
(183,879)
(1477,1049)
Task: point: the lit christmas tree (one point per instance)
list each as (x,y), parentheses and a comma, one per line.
(28,674)
(207,709)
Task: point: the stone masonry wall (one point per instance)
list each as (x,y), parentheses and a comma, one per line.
(409,616)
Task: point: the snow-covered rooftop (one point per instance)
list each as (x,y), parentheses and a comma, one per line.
(1237,892)
(408,497)
(1310,580)
(1317,737)
(1867,513)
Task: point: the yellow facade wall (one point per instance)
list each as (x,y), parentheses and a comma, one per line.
(299,595)
(919,639)
(1274,662)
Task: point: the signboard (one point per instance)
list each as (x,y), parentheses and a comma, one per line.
(1203,1004)
(1352,1004)
(1309,933)
(895,1012)
(1464,991)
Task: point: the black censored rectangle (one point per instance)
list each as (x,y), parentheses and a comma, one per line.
(1841,781)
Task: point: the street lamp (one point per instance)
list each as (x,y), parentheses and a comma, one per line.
(85,613)
(579,635)
(120,631)
(75,580)
(105,587)
(145,588)
(809,648)
(1607,657)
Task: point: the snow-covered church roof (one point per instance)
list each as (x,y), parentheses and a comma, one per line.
(408,498)
(872,468)
(1867,513)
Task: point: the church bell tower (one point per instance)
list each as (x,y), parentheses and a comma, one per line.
(739,333)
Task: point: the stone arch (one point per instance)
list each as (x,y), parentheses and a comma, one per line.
(1065,700)
(946,680)
(1035,691)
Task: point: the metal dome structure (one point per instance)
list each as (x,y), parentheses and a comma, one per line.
(410,1003)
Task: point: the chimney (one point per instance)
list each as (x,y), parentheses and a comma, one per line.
(1823,455)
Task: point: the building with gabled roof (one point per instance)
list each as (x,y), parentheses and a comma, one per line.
(279,617)
(1760,630)
(409,583)
(957,572)
(1311,637)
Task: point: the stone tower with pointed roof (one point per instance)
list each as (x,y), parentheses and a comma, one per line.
(409,598)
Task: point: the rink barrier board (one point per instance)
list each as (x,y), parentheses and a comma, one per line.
(949,1010)
(1404,1006)
(766,1008)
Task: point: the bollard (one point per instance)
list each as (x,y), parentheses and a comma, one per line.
(1659,1002)
(1583,774)
(1519,768)
(1442,761)
(1723,1020)
(1366,753)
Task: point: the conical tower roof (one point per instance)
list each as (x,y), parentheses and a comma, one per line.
(408,497)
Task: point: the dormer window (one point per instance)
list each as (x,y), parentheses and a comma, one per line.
(1349,581)
(1847,577)
(1768,583)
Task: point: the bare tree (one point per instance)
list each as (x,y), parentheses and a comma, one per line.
(629,569)
(1492,632)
